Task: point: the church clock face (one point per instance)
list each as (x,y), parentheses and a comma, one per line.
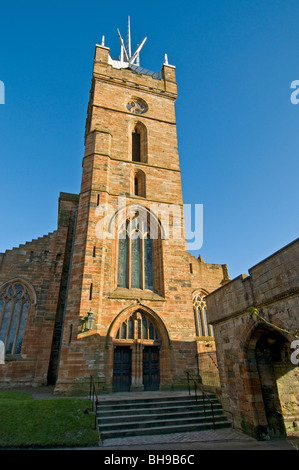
(137,106)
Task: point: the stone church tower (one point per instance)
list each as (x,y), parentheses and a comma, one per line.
(114,292)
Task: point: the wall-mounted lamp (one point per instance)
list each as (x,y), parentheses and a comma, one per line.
(87,322)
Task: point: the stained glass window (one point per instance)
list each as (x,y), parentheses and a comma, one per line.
(148,264)
(136,263)
(151,333)
(14,309)
(130,328)
(122,280)
(123,331)
(144,330)
(135,255)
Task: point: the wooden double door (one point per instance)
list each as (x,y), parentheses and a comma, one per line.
(122,368)
(151,372)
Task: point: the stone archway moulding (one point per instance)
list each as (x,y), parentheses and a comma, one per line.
(136,345)
(127,312)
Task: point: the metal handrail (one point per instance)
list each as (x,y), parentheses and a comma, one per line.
(93,396)
(204,395)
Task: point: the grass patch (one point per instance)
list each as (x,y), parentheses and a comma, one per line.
(25,422)
(14,396)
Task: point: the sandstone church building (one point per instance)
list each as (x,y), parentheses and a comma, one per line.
(101,295)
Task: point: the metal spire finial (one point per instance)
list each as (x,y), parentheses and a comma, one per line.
(125,50)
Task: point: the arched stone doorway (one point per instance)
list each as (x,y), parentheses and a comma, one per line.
(272,379)
(138,351)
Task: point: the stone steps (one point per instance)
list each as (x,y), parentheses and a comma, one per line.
(148,416)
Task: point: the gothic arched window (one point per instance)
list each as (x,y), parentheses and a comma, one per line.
(139,143)
(14,307)
(200,312)
(138,183)
(137,326)
(136,146)
(135,254)
(136,189)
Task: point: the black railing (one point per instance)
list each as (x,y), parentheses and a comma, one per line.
(205,396)
(93,396)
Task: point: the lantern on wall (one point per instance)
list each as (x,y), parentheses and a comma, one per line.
(87,321)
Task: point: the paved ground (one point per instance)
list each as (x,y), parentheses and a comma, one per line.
(223,439)
(226,439)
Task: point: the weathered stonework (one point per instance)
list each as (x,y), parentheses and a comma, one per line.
(107,173)
(40,265)
(75,270)
(260,384)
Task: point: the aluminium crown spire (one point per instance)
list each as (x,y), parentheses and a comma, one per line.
(125,50)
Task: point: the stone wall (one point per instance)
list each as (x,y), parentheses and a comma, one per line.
(40,265)
(74,270)
(272,287)
(107,174)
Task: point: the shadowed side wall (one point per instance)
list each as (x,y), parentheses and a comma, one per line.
(272,287)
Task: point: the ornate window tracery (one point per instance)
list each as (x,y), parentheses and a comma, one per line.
(14,308)
(137,326)
(135,254)
(200,312)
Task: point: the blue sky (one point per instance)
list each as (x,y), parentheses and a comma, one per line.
(237,128)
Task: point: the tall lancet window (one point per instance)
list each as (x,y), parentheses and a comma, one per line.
(135,254)
(136,189)
(136,146)
(123,255)
(138,186)
(139,143)
(148,263)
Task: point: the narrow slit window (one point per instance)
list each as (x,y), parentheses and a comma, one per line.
(90,292)
(138,183)
(136,186)
(136,147)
